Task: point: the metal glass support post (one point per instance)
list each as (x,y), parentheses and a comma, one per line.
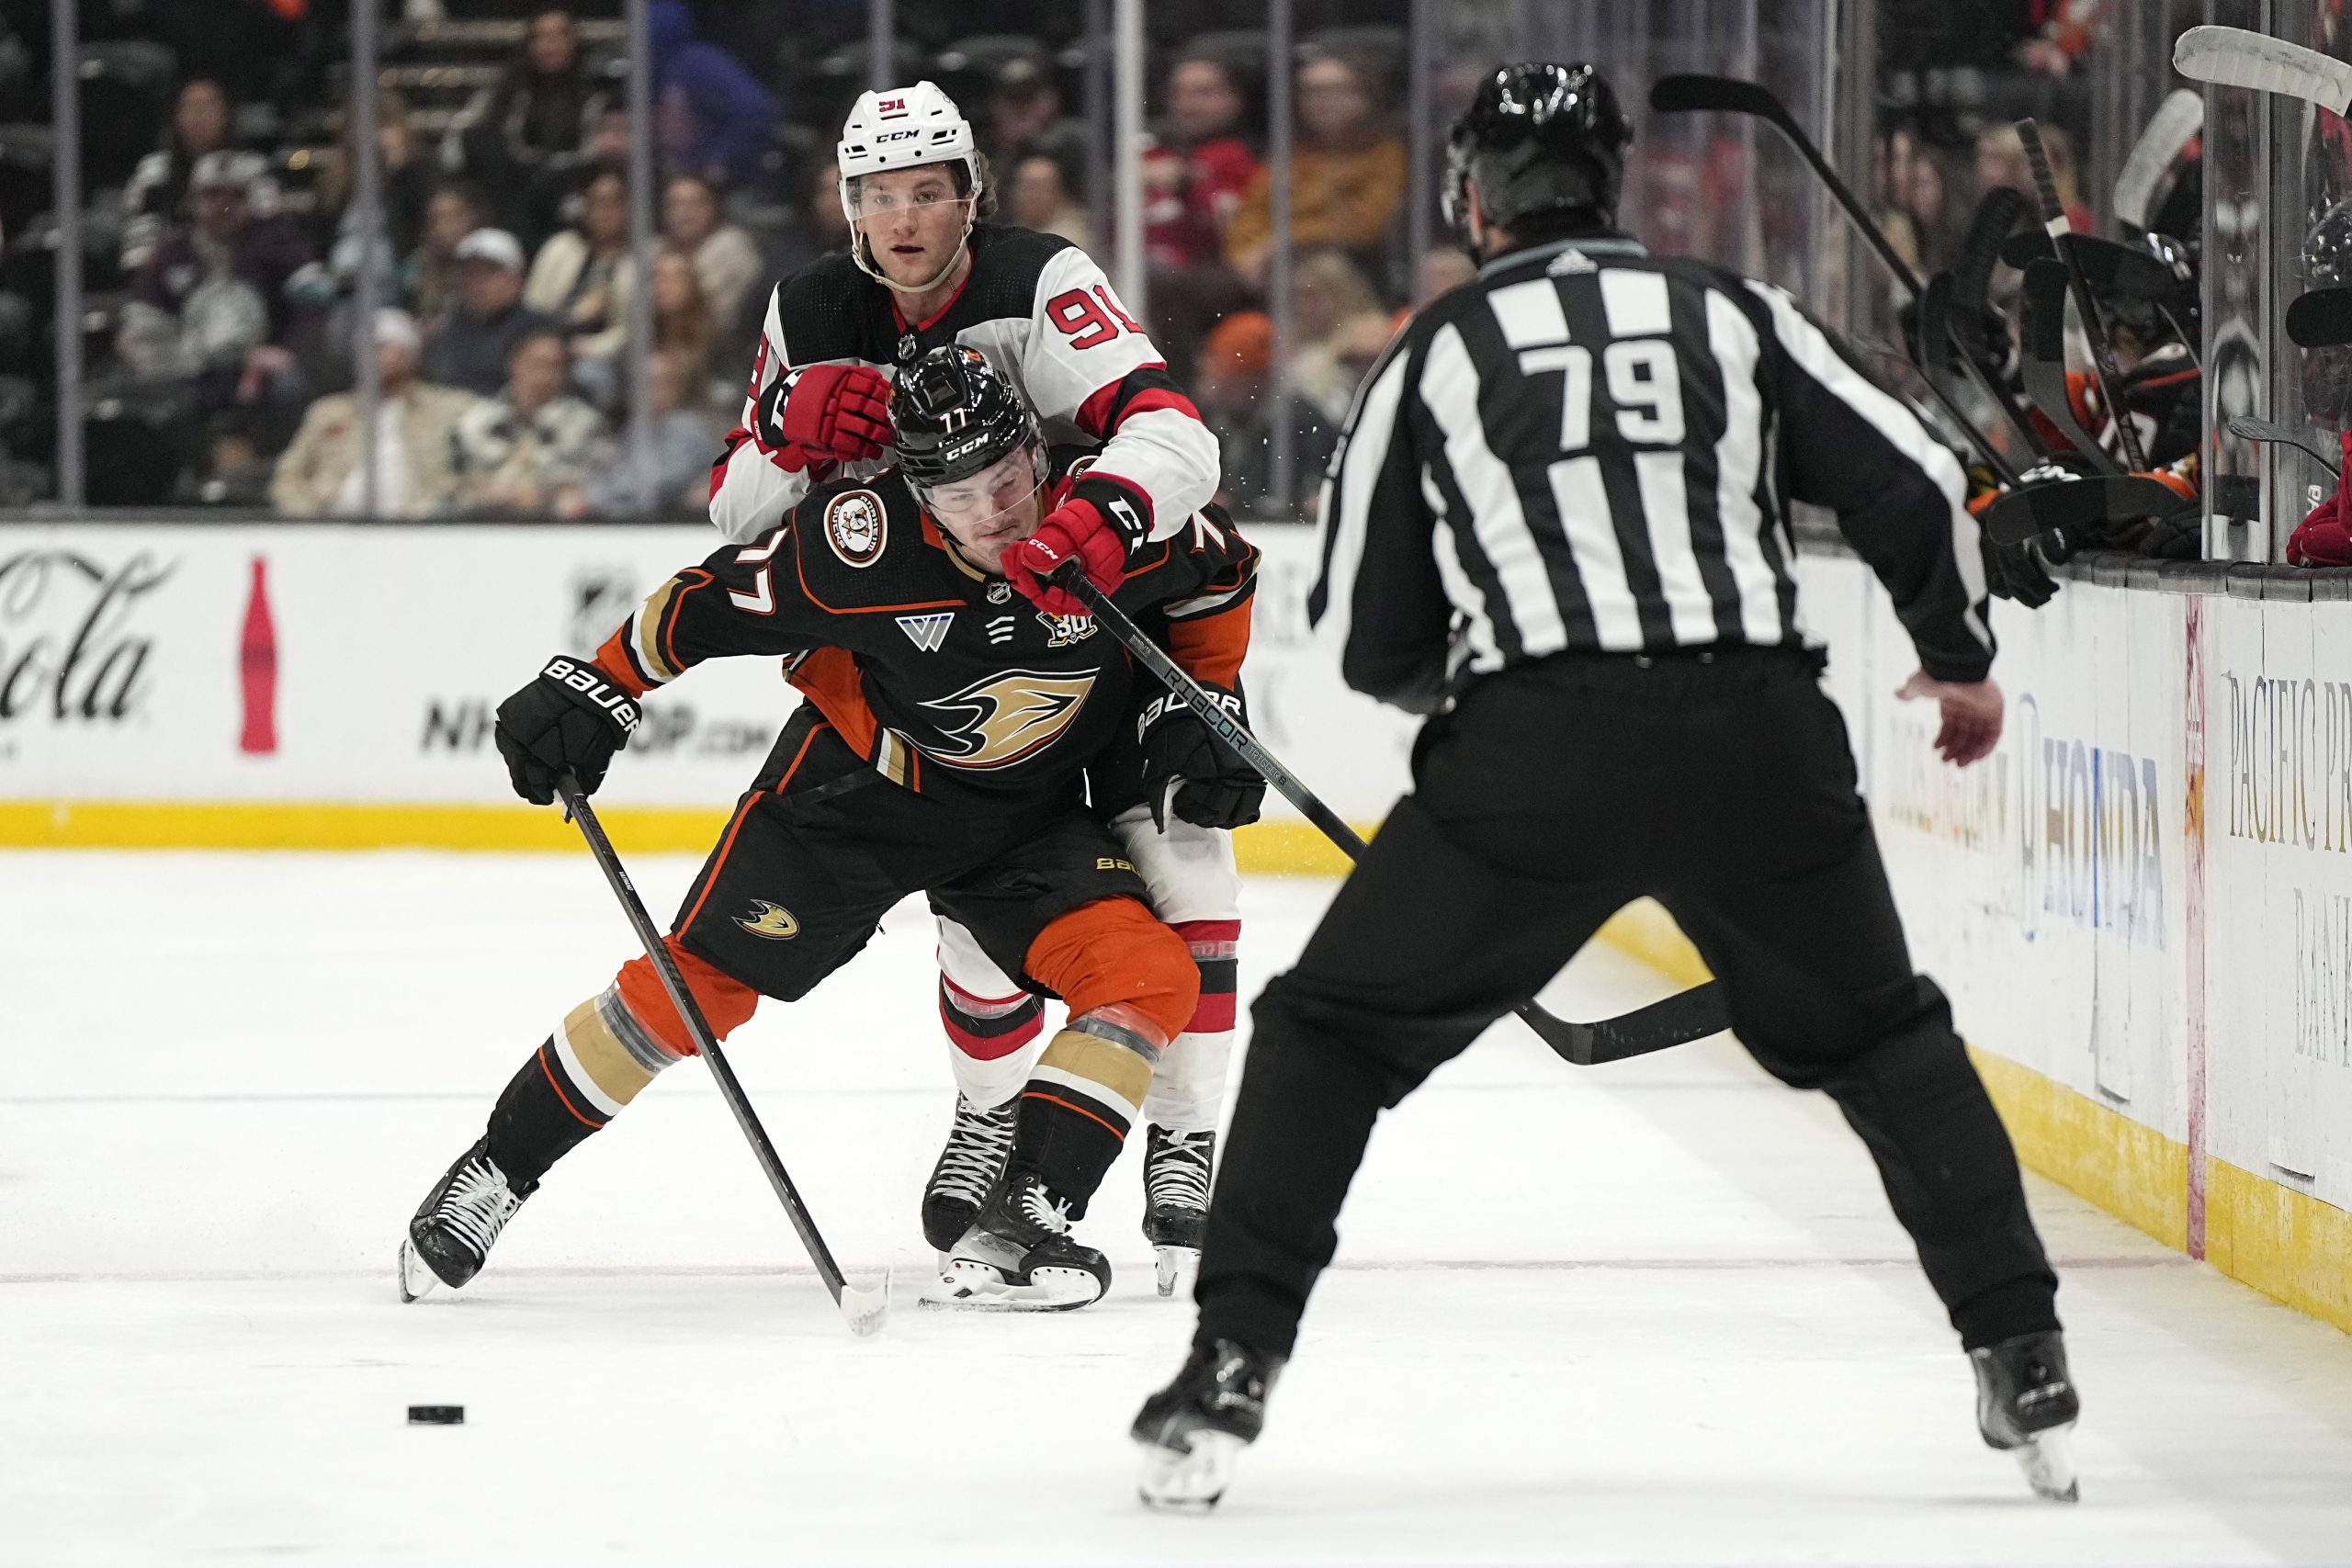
(367,196)
(1281,32)
(1127,106)
(65,171)
(641,250)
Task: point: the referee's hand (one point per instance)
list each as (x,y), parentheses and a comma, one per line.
(1972,716)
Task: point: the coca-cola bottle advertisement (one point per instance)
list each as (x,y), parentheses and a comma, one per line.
(257,669)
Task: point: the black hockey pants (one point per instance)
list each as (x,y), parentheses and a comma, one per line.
(1553,794)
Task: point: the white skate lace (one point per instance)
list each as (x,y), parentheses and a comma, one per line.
(977,1148)
(478,1205)
(1177,1174)
(1040,1208)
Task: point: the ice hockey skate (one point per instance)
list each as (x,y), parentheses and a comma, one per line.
(451,1235)
(1176,1199)
(978,1145)
(1020,1257)
(1194,1430)
(2026,1405)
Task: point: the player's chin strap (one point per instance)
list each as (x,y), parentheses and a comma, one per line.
(861,250)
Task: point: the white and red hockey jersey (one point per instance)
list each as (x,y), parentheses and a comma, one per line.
(1045,316)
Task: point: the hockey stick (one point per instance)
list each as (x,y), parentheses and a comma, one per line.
(2176,122)
(1692,94)
(865,1309)
(1686,1016)
(2321,318)
(2077,506)
(1972,303)
(2062,236)
(2252,429)
(2043,366)
(2234,57)
(2115,272)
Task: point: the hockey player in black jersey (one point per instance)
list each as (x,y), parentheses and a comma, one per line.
(941,747)
(1557,525)
(921,272)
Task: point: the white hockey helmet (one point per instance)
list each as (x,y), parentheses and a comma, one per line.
(904,127)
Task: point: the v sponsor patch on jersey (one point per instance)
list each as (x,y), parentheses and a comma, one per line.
(998,721)
(927,632)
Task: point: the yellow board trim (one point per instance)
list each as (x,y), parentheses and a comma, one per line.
(2283,1243)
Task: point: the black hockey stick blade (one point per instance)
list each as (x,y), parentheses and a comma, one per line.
(865,1309)
(1935,347)
(2104,367)
(2043,366)
(2077,506)
(1979,332)
(2322,318)
(2111,270)
(2248,427)
(1688,1015)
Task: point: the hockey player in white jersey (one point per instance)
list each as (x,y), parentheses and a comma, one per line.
(922,271)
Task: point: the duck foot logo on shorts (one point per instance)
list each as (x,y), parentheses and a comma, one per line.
(771,920)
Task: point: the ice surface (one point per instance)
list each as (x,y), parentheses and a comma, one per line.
(1655,1312)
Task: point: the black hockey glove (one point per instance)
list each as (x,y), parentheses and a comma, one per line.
(2019,572)
(571,717)
(1188,770)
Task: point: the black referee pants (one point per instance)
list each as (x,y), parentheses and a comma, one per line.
(1552,796)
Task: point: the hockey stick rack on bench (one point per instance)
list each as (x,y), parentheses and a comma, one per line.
(865,1309)
(1686,1016)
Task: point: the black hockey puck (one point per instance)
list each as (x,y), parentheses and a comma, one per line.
(437,1415)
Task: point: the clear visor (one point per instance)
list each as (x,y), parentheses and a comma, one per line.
(979,503)
(931,187)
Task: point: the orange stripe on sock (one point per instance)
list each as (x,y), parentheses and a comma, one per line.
(1118,1132)
(542,1053)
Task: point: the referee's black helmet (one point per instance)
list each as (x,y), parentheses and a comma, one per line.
(1538,138)
(952,416)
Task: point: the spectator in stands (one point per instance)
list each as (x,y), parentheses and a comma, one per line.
(1025,120)
(577,272)
(1235,389)
(711,116)
(319,474)
(472,344)
(1443,267)
(516,452)
(211,306)
(1197,167)
(683,329)
(1916,215)
(524,137)
(155,201)
(726,262)
(818,226)
(429,273)
(406,176)
(1038,197)
(1329,293)
(685,439)
(1347,172)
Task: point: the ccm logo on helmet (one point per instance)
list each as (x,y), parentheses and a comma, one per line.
(898,136)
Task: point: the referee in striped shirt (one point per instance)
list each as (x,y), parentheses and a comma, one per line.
(1559,523)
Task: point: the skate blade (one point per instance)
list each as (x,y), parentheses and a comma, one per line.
(866,1309)
(2048,1460)
(969,1286)
(416,1276)
(1188,1480)
(1173,1268)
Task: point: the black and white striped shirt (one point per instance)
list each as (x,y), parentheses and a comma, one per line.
(1591,450)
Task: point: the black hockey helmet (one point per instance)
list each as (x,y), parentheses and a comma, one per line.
(952,416)
(1538,137)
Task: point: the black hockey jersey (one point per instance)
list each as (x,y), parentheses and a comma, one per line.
(1045,318)
(942,676)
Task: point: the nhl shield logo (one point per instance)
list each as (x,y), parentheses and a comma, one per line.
(856,527)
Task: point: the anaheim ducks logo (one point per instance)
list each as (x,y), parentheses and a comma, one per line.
(855,527)
(1006,717)
(771,920)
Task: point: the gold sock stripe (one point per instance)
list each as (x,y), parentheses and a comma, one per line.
(1112,1076)
(595,1059)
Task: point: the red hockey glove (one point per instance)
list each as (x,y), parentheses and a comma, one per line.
(824,413)
(1077,530)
